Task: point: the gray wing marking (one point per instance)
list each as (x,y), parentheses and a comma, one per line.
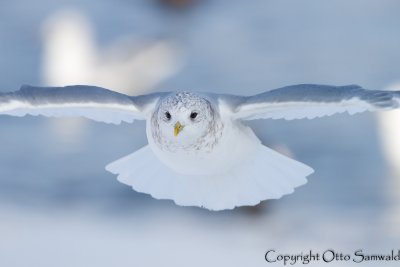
(311,101)
(79,100)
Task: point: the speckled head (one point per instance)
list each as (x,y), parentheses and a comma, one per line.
(185,121)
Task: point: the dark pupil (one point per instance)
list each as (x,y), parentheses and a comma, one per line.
(168,115)
(193,115)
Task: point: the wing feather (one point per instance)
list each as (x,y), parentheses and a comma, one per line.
(91,102)
(310,101)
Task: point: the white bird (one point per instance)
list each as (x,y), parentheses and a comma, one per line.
(200,153)
(389,130)
(71,55)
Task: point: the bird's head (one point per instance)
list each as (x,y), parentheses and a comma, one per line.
(183,119)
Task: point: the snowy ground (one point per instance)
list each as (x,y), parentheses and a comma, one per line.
(59,207)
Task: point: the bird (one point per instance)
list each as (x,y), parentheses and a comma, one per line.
(389,130)
(130,65)
(200,151)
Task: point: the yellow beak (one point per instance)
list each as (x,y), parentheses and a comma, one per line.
(178,128)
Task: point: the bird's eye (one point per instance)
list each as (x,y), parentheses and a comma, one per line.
(193,115)
(168,115)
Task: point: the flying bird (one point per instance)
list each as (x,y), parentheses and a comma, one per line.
(199,152)
(71,55)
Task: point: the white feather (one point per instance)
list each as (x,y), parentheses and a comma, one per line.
(265,175)
(108,113)
(309,101)
(300,110)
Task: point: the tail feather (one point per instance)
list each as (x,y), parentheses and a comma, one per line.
(266,175)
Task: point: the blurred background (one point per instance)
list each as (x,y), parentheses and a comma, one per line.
(59,207)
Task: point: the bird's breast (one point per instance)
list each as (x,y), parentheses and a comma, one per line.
(215,153)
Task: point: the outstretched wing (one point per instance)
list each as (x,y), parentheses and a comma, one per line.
(310,101)
(92,102)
